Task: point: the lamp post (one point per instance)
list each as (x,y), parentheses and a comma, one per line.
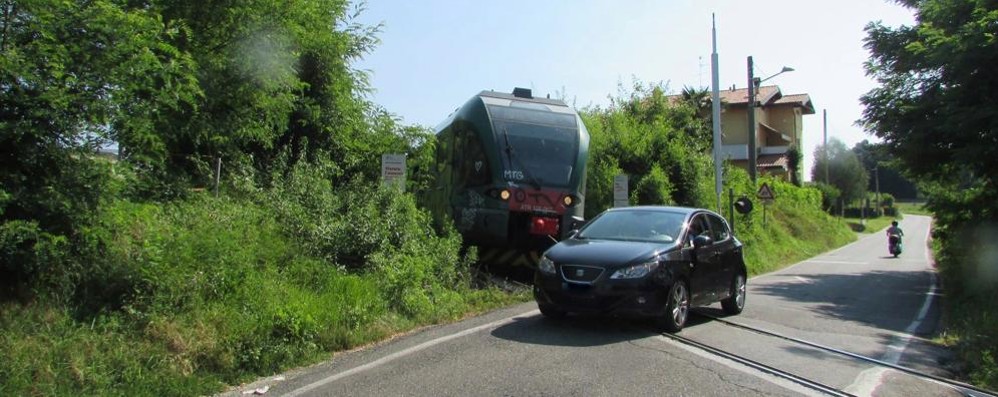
(753,84)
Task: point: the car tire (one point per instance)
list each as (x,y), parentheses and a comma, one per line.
(735,303)
(677,308)
(551,312)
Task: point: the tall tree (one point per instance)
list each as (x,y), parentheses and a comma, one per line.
(73,75)
(845,172)
(934,107)
(277,76)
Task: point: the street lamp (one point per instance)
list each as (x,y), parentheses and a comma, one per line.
(753,82)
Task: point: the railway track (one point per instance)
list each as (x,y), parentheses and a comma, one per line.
(962,388)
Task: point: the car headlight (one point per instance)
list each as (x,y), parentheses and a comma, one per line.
(636,271)
(545,265)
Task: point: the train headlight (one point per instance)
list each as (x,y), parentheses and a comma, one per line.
(504,195)
(568,201)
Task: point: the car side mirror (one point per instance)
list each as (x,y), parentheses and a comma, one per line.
(702,241)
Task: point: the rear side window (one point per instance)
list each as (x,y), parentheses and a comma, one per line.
(718,228)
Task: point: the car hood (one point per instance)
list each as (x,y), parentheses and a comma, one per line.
(606,253)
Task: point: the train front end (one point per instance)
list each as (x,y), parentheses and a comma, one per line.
(535,150)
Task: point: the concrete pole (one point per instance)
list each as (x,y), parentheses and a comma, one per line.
(751,122)
(876,177)
(715,98)
(825,115)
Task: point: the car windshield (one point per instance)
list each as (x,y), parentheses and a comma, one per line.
(635,225)
(540,146)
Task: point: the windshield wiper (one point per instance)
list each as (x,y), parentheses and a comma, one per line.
(526,171)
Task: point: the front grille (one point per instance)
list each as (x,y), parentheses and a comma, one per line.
(580,274)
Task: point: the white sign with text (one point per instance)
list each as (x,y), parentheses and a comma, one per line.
(393,170)
(620,191)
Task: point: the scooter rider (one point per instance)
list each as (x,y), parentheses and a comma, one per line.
(894,229)
(894,234)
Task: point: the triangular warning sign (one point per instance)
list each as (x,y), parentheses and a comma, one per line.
(765,192)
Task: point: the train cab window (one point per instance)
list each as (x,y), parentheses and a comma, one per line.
(472,164)
(443,150)
(718,229)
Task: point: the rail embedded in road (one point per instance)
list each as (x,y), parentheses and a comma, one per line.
(961,387)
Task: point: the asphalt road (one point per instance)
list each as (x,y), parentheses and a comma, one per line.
(856,298)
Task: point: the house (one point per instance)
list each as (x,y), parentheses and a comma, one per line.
(779,127)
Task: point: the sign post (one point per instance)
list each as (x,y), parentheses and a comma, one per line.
(620,191)
(393,170)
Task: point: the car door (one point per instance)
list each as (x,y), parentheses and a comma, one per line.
(726,252)
(703,277)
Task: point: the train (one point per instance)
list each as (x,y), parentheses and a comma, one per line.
(510,173)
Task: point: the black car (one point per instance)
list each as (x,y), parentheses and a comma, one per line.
(649,261)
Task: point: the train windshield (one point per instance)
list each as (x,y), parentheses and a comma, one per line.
(538,147)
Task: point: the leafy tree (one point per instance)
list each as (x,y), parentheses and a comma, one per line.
(73,75)
(845,172)
(272,75)
(794,160)
(934,108)
(882,166)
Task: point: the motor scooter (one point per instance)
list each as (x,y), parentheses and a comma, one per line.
(894,244)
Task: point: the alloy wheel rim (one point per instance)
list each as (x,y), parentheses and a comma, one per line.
(682,304)
(740,292)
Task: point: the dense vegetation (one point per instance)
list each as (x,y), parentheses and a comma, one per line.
(934,109)
(133,276)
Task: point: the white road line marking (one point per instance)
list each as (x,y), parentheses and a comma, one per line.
(802,279)
(867,382)
(394,356)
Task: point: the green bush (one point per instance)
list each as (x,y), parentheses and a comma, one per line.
(655,142)
(653,189)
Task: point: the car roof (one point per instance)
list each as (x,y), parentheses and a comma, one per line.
(662,208)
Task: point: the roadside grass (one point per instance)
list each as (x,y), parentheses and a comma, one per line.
(971,318)
(185,298)
(912,208)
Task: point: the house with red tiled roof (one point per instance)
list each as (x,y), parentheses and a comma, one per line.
(779,127)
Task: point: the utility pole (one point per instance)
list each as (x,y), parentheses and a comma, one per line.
(715,98)
(751,122)
(876,177)
(218,173)
(825,151)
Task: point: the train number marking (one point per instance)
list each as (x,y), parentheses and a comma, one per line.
(512,174)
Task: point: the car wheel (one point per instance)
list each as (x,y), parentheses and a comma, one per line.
(736,301)
(551,312)
(677,308)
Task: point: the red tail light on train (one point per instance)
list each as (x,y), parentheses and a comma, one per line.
(544,225)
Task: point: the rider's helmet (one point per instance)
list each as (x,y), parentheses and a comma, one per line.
(894,223)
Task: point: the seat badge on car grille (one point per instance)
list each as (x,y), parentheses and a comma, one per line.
(580,272)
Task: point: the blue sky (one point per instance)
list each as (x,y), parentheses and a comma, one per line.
(436,54)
